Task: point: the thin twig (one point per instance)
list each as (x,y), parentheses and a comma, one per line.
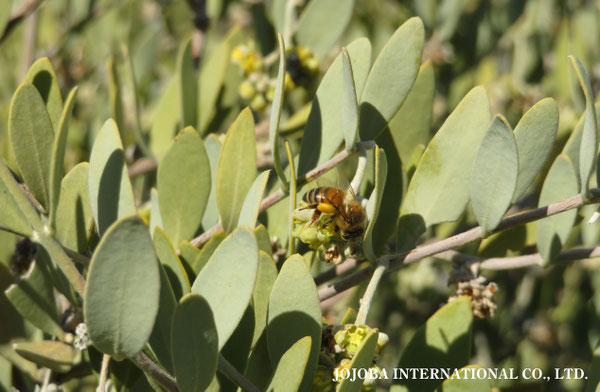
(280,194)
(337,270)
(236,377)
(164,379)
(30,38)
(17,15)
(142,166)
(103,373)
(360,168)
(398,260)
(367,299)
(46,382)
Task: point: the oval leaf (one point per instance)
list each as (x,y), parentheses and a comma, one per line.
(33,297)
(227,280)
(494,174)
(41,75)
(265,279)
(213,150)
(111,195)
(439,190)
(195,343)
(123,288)
(57,356)
(294,312)
(173,267)
(237,169)
(188,84)
(160,339)
(57,166)
(552,232)
(288,375)
(323,131)
(411,125)
(535,135)
(210,83)
(443,342)
(31,137)
(251,206)
(74,213)
(391,78)
(589,137)
(165,119)
(183,181)
(349,102)
(322,23)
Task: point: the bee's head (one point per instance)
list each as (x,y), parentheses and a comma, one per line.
(352,234)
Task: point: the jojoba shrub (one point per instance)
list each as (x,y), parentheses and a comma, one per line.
(299,195)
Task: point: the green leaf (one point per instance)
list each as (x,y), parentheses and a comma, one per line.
(195,343)
(439,190)
(294,312)
(5,9)
(33,297)
(411,125)
(361,360)
(74,213)
(160,339)
(466,384)
(165,119)
(263,239)
(171,263)
(213,150)
(594,382)
(276,107)
(288,375)
(114,93)
(589,139)
(322,24)
(10,214)
(375,202)
(210,82)
(227,280)
(391,78)
(251,206)
(123,288)
(57,163)
(494,175)
(237,169)
(443,342)
(41,75)
(349,102)
(349,317)
(535,135)
(155,217)
(31,137)
(188,84)
(323,131)
(552,232)
(56,356)
(207,250)
(237,348)
(111,195)
(183,181)
(265,278)
(259,369)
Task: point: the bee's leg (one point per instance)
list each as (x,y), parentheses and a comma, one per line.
(315,217)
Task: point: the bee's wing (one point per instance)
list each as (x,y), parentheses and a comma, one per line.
(345,185)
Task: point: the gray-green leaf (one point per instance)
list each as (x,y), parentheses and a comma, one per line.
(123,287)
(494,174)
(237,169)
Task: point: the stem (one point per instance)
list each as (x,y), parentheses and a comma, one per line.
(280,194)
(164,379)
(46,382)
(365,301)
(399,260)
(337,270)
(236,377)
(26,8)
(293,191)
(103,373)
(360,168)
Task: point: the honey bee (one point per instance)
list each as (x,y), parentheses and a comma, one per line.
(349,216)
